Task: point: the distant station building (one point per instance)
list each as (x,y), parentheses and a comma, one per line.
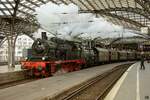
(23,42)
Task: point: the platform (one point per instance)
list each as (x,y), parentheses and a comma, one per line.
(11,74)
(50,87)
(5,69)
(133,85)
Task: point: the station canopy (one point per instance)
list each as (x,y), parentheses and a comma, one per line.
(121,40)
(132,14)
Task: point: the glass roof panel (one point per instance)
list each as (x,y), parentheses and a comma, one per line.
(139,6)
(2,6)
(95,5)
(3,0)
(132,3)
(122,7)
(105,3)
(7,12)
(124,3)
(117,2)
(1,13)
(111,4)
(88,5)
(99,4)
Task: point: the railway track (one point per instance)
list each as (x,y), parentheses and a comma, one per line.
(96,88)
(14,83)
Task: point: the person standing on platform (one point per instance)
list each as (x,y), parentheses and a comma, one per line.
(142,61)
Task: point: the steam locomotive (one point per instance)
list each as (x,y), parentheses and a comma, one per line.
(56,56)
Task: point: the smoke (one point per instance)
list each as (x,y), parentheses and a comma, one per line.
(64,21)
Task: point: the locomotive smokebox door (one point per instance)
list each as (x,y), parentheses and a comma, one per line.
(44,35)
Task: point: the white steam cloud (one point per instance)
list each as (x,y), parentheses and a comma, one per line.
(65,22)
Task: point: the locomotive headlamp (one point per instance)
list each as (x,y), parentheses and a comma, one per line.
(43,58)
(26,58)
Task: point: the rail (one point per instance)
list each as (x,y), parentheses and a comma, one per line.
(97,87)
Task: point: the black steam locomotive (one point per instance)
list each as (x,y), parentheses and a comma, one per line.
(56,56)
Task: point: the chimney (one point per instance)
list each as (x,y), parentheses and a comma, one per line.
(44,35)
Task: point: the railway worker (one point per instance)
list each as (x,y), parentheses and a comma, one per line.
(142,61)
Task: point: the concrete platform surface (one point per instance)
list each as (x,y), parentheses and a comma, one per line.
(5,69)
(11,74)
(49,87)
(133,85)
